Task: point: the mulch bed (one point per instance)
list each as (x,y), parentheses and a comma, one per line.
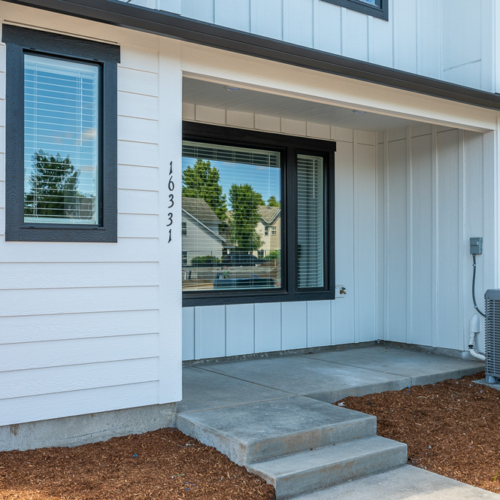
(163,465)
(451,427)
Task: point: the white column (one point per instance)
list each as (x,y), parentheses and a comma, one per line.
(170,161)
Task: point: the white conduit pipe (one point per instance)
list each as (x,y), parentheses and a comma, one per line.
(474,329)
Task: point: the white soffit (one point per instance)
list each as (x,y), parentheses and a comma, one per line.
(215,95)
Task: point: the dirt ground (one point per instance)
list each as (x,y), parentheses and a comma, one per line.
(162,465)
(451,428)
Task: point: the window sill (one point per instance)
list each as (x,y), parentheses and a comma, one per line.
(62,234)
(191,299)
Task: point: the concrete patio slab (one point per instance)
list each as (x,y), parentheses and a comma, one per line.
(272,415)
(260,431)
(300,375)
(204,390)
(421,368)
(403,483)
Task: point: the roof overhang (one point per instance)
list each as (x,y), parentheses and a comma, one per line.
(166,24)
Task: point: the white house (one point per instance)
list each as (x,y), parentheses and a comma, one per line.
(269,230)
(201,236)
(374,122)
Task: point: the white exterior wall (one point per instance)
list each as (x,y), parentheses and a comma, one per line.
(407,202)
(451,40)
(90,327)
(87,327)
(438,187)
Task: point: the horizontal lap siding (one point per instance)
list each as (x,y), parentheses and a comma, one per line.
(57,404)
(218,331)
(79,323)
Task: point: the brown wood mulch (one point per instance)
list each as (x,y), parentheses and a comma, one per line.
(162,465)
(451,428)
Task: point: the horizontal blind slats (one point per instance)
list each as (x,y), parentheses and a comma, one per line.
(230,238)
(61,141)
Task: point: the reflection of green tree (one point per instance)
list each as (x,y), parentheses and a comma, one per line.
(202,181)
(53,189)
(245,203)
(274,255)
(273,202)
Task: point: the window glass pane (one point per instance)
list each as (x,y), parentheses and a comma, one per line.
(60,141)
(310,230)
(231,216)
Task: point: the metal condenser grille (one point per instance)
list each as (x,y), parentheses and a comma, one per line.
(492,311)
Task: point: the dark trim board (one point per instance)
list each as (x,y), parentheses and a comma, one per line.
(380,11)
(288,147)
(163,23)
(20,41)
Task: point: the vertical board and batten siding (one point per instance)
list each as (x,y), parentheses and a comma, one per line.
(450,40)
(434,192)
(217,331)
(407,203)
(80,322)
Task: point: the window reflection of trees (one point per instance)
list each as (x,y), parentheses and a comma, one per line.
(53,192)
(244,260)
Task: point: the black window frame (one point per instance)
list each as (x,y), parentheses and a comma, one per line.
(380,11)
(288,147)
(20,41)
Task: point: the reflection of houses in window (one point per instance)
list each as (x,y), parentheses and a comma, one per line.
(269,230)
(200,231)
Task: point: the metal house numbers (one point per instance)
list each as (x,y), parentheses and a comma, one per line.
(171,199)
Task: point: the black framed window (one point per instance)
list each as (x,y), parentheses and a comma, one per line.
(61,147)
(258,217)
(374,8)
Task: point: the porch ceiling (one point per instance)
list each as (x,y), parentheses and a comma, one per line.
(215,95)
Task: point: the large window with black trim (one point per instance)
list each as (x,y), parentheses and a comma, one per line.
(257,217)
(61,137)
(374,8)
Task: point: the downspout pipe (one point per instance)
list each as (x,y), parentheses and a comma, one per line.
(474,329)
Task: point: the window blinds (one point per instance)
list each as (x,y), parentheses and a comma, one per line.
(310,218)
(61,153)
(230,154)
(230,197)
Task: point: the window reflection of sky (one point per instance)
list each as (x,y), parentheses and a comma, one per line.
(61,115)
(264,180)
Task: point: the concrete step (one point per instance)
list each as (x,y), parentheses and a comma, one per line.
(319,468)
(260,431)
(403,483)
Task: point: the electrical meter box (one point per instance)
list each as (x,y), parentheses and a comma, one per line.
(476,246)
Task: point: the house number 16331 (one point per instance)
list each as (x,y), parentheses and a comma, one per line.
(171,200)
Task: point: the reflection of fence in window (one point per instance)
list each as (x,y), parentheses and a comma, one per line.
(230,207)
(236,271)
